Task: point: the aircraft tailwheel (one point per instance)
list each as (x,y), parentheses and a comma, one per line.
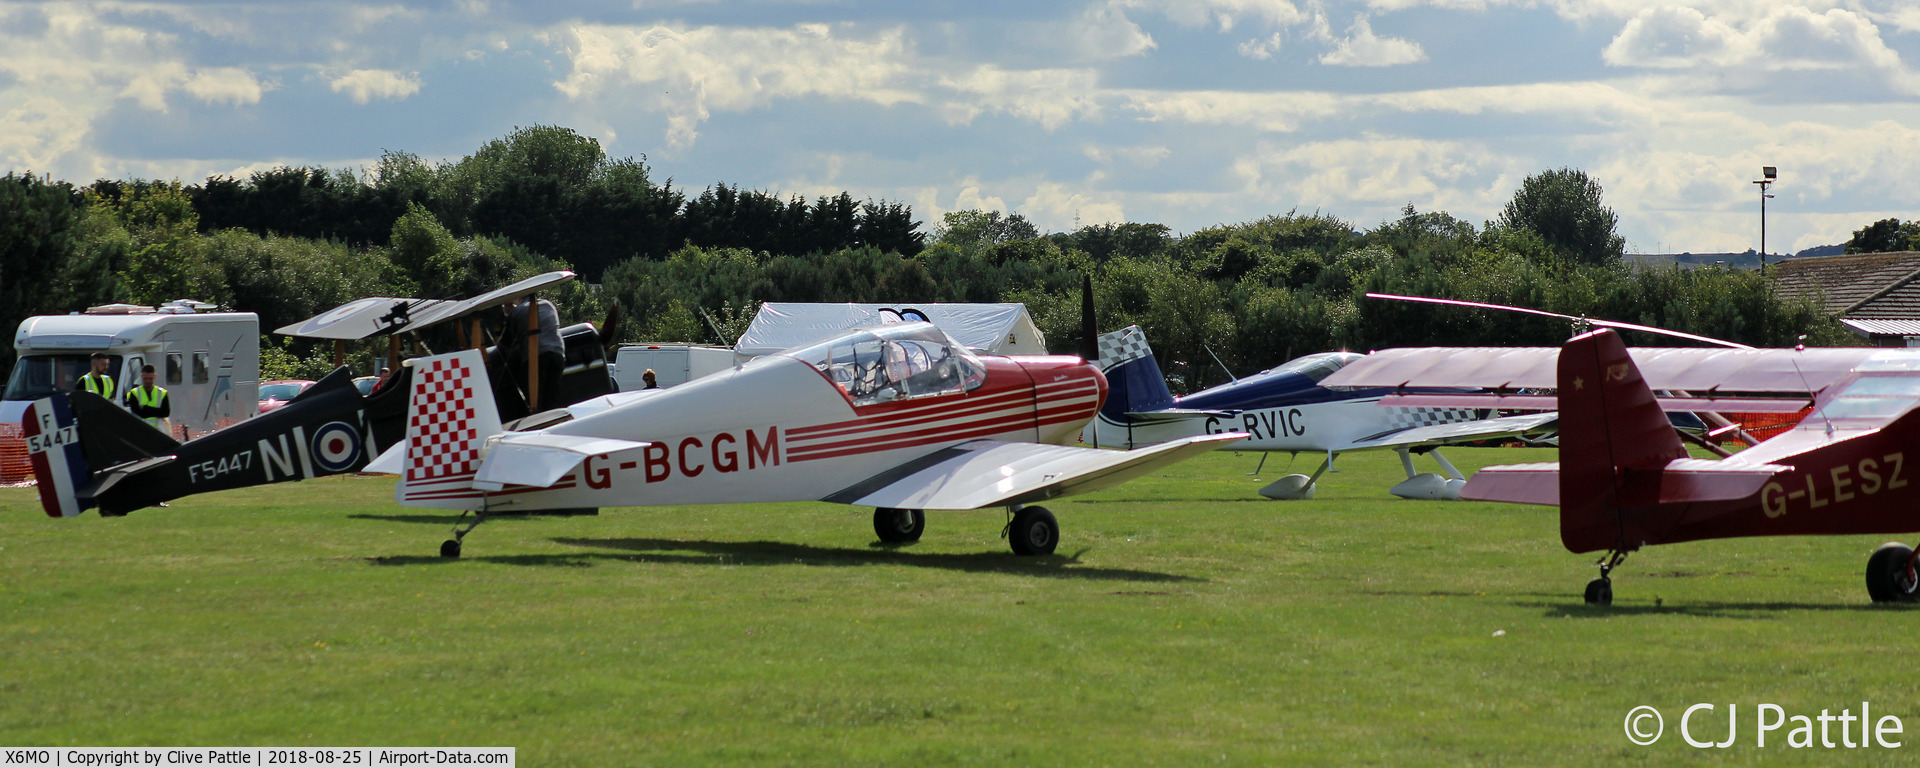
(450,548)
(1600,591)
(1033,531)
(899,526)
(1890,574)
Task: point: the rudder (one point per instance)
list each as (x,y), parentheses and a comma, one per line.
(1610,424)
(450,415)
(59,464)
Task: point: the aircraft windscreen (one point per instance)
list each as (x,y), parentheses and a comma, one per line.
(1870,397)
(1317,366)
(37,376)
(894,362)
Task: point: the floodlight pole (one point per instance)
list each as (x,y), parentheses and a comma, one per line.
(1768,174)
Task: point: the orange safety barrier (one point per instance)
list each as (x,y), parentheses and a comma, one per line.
(1765,425)
(15,465)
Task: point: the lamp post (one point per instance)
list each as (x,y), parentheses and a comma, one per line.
(1767,174)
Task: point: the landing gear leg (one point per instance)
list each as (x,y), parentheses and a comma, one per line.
(451,547)
(1600,590)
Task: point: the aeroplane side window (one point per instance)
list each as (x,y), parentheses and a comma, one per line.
(933,369)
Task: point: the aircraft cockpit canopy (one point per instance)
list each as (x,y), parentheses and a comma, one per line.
(1316,366)
(1876,398)
(895,362)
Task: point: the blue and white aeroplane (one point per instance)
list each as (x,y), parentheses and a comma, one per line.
(1285,409)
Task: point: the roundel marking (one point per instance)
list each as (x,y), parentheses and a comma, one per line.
(336,446)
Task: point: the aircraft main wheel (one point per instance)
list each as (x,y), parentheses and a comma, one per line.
(1888,580)
(899,526)
(1033,532)
(1600,591)
(450,548)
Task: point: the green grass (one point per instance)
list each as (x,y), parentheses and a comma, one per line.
(1186,621)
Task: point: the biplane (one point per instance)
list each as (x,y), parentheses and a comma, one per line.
(89,453)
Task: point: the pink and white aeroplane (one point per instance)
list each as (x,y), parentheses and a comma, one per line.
(900,418)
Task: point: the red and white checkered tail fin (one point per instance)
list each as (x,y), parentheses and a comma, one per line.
(449,418)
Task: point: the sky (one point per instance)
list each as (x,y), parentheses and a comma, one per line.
(1187,113)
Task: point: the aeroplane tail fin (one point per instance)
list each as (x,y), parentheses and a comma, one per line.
(1134,385)
(59,464)
(449,418)
(1610,427)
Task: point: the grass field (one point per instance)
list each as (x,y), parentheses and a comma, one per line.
(1186,621)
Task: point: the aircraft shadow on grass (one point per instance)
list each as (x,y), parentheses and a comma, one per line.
(674,551)
(1556,606)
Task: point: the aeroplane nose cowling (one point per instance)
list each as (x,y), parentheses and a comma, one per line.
(1067,392)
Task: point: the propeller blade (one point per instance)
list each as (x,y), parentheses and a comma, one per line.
(1543,313)
(1089,328)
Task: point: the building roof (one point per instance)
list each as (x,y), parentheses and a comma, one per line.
(1884,327)
(1855,285)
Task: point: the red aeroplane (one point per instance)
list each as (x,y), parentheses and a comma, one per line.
(1625,479)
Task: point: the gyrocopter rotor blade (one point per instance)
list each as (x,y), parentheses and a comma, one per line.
(1542,313)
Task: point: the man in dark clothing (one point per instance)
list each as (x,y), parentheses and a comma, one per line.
(149,401)
(552,351)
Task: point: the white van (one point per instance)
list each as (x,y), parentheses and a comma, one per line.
(209,362)
(671,363)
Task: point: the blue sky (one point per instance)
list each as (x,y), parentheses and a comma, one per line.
(1183,112)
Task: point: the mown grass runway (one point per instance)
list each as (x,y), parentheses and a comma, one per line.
(1186,621)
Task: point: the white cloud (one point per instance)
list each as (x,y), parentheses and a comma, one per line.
(1050,97)
(1382,173)
(365,85)
(229,85)
(1261,49)
(1223,14)
(1146,156)
(1361,48)
(1061,207)
(1104,31)
(689,73)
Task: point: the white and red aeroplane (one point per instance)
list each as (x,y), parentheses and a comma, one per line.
(900,418)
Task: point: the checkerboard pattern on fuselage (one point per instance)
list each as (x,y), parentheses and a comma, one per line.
(443,439)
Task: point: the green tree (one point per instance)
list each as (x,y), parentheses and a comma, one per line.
(37,222)
(1564,208)
(428,255)
(1884,236)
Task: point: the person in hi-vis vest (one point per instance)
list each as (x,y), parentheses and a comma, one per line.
(150,402)
(98,381)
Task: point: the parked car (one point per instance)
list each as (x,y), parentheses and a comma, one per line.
(274,394)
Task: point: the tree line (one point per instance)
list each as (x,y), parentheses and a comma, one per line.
(289,243)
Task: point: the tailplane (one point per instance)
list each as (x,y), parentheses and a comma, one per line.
(449,417)
(81,442)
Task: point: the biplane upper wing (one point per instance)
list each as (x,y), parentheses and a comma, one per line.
(988,473)
(1695,370)
(365,318)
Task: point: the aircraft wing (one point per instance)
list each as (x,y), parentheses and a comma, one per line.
(1465,431)
(1692,369)
(365,318)
(539,459)
(989,473)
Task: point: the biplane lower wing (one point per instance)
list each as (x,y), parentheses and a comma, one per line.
(988,473)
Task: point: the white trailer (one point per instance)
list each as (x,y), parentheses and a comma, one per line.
(209,362)
(671,363)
